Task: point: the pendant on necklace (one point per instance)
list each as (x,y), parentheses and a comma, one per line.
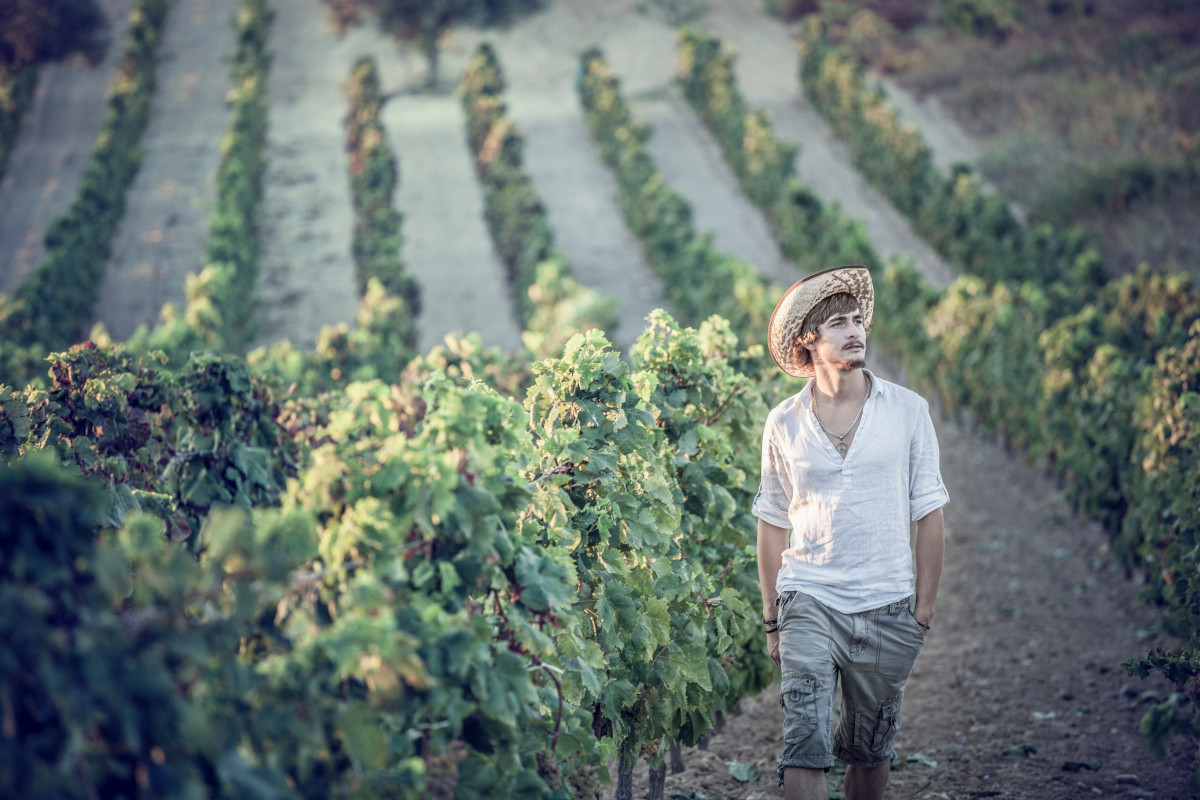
(841,448)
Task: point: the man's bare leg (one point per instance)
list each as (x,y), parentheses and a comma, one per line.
(805,784)
(866,783)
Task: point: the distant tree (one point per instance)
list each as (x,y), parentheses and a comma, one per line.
(45,30)
(426,21)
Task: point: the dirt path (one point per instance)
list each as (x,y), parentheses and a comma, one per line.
(161,238)
(307,279)
(446,242)
(56,141)
(540,61)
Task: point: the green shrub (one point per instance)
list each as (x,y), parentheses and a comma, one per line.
(77,669)
(1161,531)
(232,252)
(1094,360)
(177,442)
(374,175)
(983,19)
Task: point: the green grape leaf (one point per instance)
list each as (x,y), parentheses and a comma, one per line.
(113,573)
(365,737)
(744,771)
(617,695)
(657,617)
(449,576)
(689,443)
(545,583)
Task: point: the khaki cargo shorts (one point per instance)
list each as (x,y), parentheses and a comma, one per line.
(873,651)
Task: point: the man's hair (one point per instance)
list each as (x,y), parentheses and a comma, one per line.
(835,304)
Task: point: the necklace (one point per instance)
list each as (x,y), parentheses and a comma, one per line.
(841,445)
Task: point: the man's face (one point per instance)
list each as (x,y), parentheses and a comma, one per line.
(841,341)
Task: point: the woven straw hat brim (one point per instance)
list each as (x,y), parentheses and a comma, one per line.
(800,299)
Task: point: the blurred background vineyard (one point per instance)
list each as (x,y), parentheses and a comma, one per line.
(1084,112)
(342,453)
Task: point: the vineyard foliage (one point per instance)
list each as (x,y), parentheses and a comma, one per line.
(53,305)
(429,588)
(177,443)
(394,579)
(1162,529)
(374,176)
(549,301)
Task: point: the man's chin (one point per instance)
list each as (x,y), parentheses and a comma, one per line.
(851,364)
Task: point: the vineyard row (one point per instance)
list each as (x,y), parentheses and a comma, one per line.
(48,309)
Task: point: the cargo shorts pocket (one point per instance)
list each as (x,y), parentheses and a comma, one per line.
(874,733)
(798,698)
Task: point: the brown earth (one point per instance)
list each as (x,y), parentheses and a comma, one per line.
(1034,617)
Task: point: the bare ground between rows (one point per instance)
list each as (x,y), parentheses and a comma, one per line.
(162,236)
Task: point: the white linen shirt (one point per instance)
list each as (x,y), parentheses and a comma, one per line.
(849,519)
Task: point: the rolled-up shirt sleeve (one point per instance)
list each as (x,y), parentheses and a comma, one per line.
(926,491)
(774,489)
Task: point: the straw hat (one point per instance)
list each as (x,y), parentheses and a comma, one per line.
(797,301)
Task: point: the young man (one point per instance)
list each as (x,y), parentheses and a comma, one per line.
(847,462)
